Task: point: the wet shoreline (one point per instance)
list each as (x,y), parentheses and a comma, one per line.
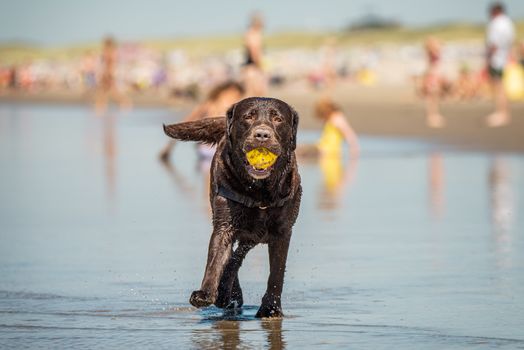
(398,113)
(417,244)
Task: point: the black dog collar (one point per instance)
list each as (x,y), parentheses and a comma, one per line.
(246,201)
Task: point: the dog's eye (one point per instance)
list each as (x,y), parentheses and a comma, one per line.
(249,116)
(277,119)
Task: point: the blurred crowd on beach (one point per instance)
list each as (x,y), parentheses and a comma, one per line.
(177,74)
(141,68)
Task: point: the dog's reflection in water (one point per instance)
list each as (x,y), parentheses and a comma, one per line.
(273,328)
(237,331)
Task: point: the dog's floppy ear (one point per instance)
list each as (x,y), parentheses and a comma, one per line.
(207,130)
(229,120)
(294,128)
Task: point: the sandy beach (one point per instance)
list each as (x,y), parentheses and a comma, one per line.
(397,112)
(391,111)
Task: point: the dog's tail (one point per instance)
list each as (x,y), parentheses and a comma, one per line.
(207,130)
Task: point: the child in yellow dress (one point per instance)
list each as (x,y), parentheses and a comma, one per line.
(336,130)
(328,149)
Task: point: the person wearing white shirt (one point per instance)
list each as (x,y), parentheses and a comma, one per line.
(500,35)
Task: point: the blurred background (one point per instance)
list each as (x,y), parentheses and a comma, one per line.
(411,157)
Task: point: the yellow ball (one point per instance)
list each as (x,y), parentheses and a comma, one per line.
(261,158)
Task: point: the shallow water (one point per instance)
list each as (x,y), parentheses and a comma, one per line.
(416,246)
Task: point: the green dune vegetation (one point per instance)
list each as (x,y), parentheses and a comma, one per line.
(13,53)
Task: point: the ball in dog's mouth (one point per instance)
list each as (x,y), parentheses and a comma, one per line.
(261,159)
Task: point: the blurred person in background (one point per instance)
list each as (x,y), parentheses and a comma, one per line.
(336,130)
(465,87)
(337,176)
(25,77)
(12,78)
(521,53)
(219,99)
(254,78)
(434,85)
(88,71)
(500,34)
(107,84)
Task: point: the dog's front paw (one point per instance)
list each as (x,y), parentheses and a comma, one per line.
(266,311)
(200,298)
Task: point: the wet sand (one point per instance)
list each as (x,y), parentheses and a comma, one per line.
(418,245)
(396,112)
(390,111)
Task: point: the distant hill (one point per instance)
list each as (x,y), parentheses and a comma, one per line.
(373,22)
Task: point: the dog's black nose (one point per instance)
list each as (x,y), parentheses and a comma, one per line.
(263,134)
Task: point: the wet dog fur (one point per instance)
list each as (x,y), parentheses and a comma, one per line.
(250,206)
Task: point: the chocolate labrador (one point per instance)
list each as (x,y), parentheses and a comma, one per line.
(250,205)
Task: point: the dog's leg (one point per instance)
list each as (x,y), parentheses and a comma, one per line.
(271,305)
(229,290)
(237,298)
(220,248)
